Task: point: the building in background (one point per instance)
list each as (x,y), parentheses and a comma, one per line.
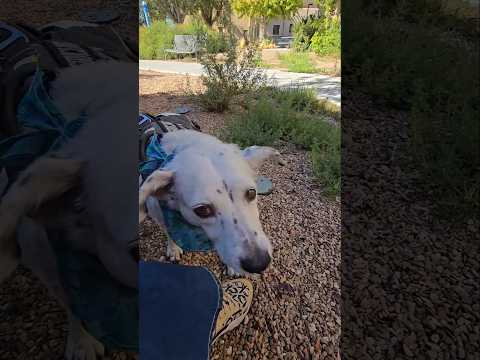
(276,28)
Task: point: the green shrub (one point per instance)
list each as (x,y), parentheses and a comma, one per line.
(326,165)
(272,118)
(305,99)
(226,80)
(258,125)
(304,30)
(216,42)
(440,103)
(326,41)
(153,41)
(297,62)
(297,98)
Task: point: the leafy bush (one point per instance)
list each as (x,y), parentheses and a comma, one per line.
(326,165)
(160,35)
(297,62)
(326,41)
(267,43)
(441,104)
(297,98)
(319,33)
(272,118)
(258,125)
(216,42)
(304,30)
(226,80)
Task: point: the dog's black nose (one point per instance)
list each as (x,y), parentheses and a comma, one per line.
(256,263)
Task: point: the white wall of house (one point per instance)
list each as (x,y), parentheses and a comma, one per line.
(284,27)
(279,27)
(276,26)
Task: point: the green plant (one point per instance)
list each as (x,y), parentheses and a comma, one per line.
(441,104)
(326,164)
(270,119)
(176,9)
(267,43)
(160,35)
(326,41)
(297,62)
(226,80)
(304,30)
(256,126)
(297,98)
(216,42)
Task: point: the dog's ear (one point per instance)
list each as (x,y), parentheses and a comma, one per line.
(257,155)
(155,184)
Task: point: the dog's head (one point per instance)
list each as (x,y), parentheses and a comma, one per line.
(212,184)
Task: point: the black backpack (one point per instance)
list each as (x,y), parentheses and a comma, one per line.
(160,124)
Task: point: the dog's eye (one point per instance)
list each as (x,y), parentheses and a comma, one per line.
(251,194)
(204,211)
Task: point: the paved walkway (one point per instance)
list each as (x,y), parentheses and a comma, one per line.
(327,87)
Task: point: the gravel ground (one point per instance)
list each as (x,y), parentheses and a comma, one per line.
(410,285)
(296,308)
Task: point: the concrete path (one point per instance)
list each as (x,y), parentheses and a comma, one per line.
(327,87)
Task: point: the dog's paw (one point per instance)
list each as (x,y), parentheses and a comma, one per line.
(174,252)
(231,272)
(83,346)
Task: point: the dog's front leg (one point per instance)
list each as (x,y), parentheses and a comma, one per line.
(174,252)
(80,344)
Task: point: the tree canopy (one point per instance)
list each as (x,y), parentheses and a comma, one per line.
(175,9)
(266,9)
(211,11)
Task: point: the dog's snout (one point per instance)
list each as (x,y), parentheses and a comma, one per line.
(256,263)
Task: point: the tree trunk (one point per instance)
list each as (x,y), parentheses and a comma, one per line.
(208,18)
(263,25)
(207,12)
(177,15)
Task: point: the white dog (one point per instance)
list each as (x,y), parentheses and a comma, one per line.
(98,169)
(212,184)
